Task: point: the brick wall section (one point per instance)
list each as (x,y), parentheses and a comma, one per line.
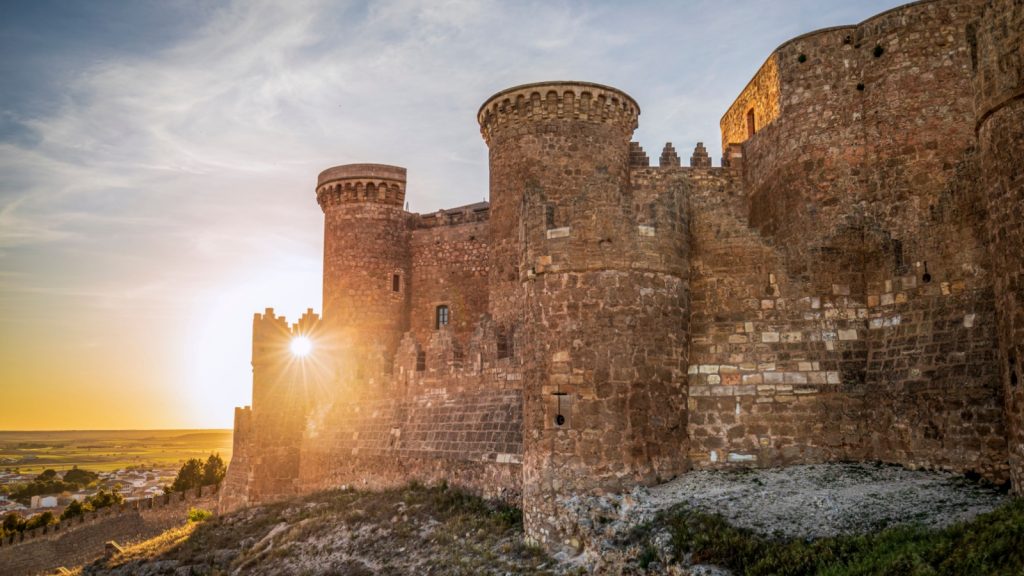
(932,397)
(449,267)
(466,436)
(1000,107)
(75,542)
(767,356)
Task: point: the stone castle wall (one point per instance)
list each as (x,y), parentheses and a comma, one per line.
(862,181)
(846,287)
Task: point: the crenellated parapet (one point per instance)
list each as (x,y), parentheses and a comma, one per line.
(478,212)
(558,100)
(271,334)
(351,183)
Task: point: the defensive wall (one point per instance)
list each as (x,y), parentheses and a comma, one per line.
(847,286)
(78,540)
(865,180)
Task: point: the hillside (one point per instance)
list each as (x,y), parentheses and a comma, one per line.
(415,530)
(828,519)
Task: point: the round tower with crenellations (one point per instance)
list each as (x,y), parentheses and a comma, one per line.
(366,267)
(599,290)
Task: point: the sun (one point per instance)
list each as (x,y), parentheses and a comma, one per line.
(301,346)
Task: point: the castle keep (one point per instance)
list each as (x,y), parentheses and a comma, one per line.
(849,285)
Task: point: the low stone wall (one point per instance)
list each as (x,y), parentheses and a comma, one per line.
(80,540)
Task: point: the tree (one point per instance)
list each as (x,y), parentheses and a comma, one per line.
(195,473)
(214,470)
(14,522)
(47,475)
(75,509)
(190,475)
(80,477)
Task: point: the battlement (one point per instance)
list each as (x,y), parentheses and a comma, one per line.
(350,183)
(268,320)
(557,100)
(478,212)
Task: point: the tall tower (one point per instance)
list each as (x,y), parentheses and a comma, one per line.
(284,388)
(603,344)
(366,267)
(999,104)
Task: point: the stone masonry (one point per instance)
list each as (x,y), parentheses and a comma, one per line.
(848,286)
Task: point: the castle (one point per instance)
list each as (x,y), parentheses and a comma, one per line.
(849,285)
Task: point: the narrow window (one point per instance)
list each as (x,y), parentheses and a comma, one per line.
(751,123)
(421,361)
(441,316)
(504,343)
(550,216)
(396,283)
(897,256)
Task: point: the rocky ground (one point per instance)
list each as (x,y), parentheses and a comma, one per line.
(800,502)
(421,530)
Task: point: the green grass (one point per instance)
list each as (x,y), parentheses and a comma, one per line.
(106,450)
(992,543)
(199,515)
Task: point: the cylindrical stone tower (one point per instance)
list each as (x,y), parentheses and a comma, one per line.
(999,104)
(366,267)
(603,342)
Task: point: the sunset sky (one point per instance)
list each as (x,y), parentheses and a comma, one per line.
(158,160)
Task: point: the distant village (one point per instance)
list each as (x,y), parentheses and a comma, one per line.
(131,483)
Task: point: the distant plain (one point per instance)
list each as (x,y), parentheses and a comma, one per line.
(105,450)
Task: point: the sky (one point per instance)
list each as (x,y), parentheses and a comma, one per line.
(158,161)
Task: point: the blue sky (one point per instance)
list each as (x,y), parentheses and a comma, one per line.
(158,160)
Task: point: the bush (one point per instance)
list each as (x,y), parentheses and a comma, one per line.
(199,515)
(103,499)
(39,520)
